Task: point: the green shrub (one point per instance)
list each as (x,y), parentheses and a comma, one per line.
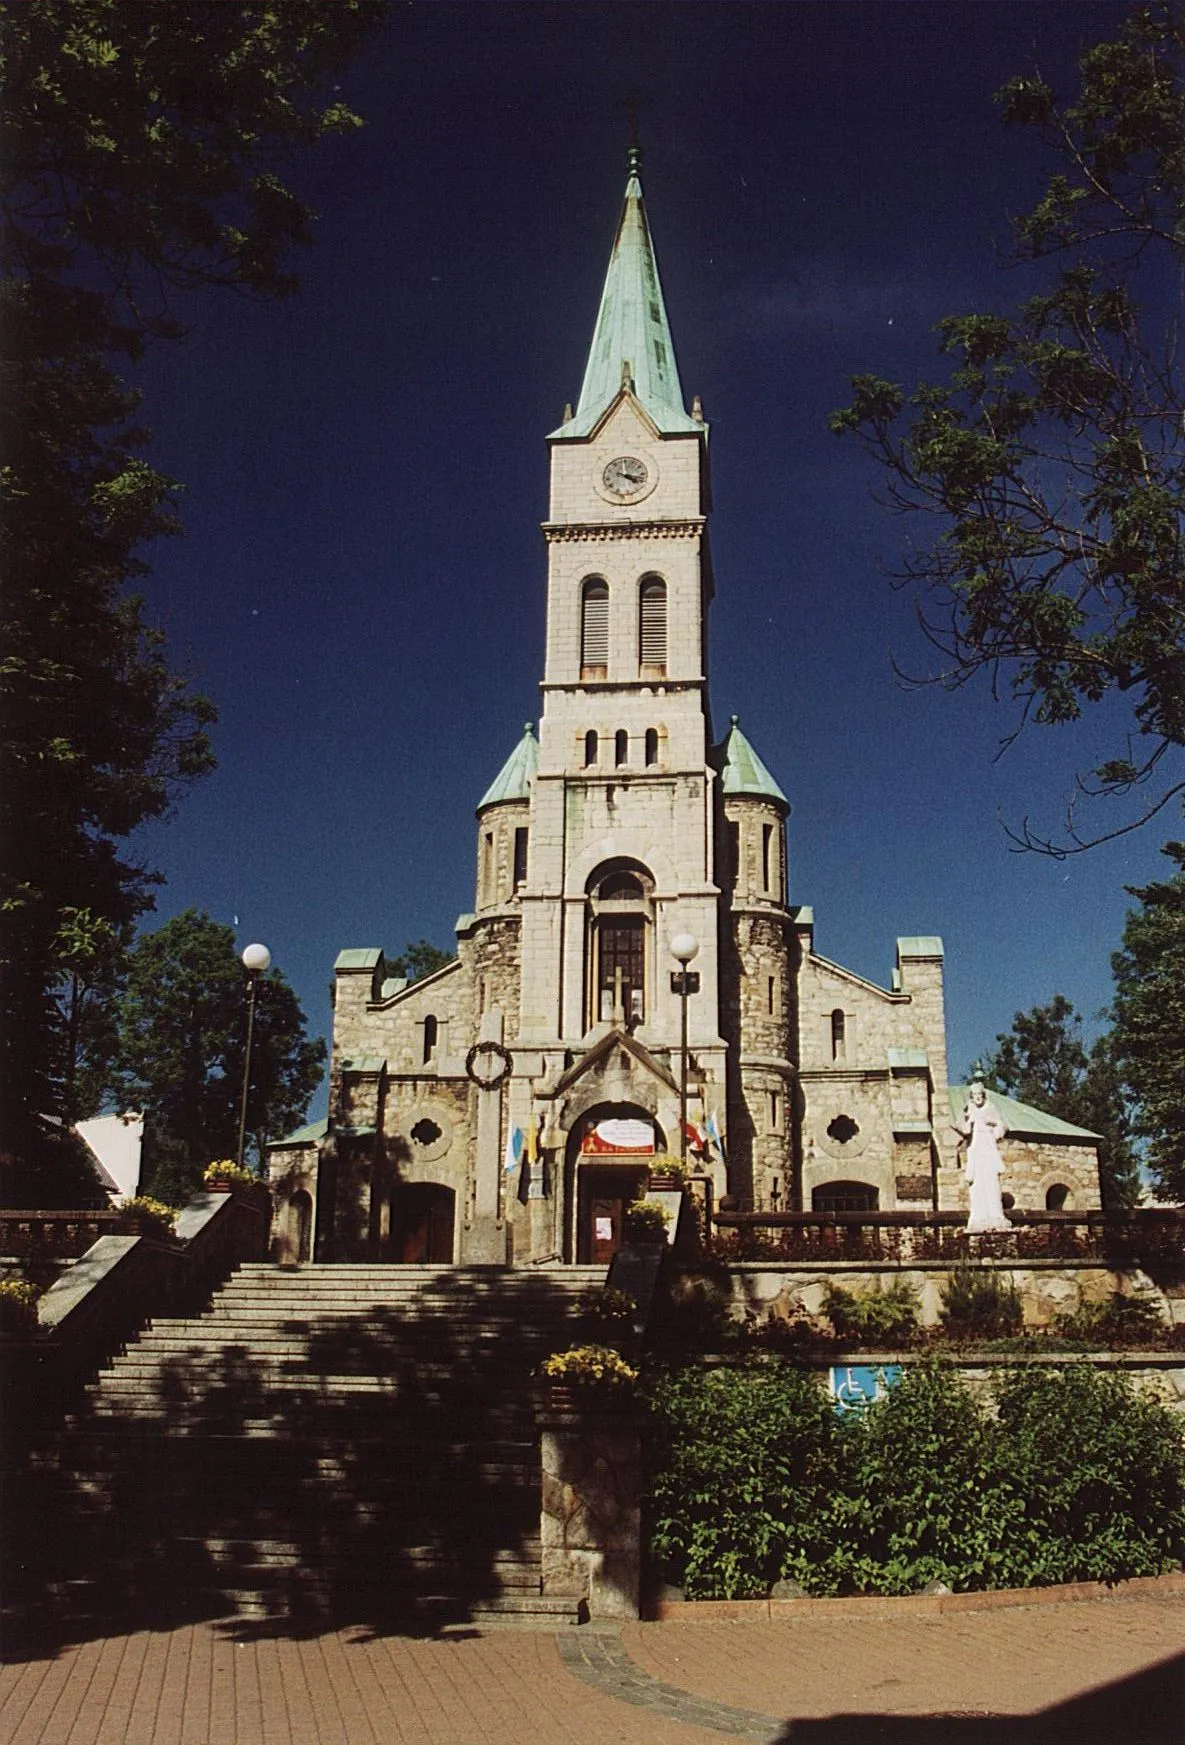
(697,1316)
(645,1222)
(18,1307)
(980,1304)
(753,1476)
(928,1485)
(888,1317)
(1101,1469)
(743,1465)
(1117,1320)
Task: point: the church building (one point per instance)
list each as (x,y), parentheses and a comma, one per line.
(633,962)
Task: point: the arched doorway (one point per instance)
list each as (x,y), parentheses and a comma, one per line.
(302,1220)
(422,1221)
(611,1151)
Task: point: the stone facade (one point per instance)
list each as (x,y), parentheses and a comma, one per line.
(509,1106)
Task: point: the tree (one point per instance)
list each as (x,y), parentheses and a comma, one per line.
(1050,461)
(141,151)
(419,959)
(180,1035)
(1149,1026)
(1043,1060)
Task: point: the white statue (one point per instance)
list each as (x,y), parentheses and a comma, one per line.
(983,1129)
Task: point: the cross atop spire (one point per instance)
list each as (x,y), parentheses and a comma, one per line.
(631,343)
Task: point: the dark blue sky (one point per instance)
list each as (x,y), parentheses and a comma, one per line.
(361,585)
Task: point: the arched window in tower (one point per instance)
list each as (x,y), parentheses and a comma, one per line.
(651,746)
(652,627)
(592,747)
(430,1033)
(839,1045)
(618,932)
(594,628)
(621,747)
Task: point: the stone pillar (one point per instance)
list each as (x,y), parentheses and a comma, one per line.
(487,1242)
(590,1509)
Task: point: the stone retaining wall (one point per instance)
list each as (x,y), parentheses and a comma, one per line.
(763,1291)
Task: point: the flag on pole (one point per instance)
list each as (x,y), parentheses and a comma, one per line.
(514,1150)
(714,1137)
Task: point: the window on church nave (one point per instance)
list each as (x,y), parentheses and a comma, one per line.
(621,747)
(652,627)
(651,745)
(839,1028)
(594,628)
(592,746)
(521,837)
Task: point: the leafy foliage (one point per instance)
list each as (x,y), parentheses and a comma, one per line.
(754,1477)
(743,1464)
(1043,1060)
(18,1308)
(980,1305)
(1101,1470)
(1050,459)
(419,958)
(180,1038)
(1119,1319)
(599,1367)
(142,150)
(645,1222)
(1149,1021)
(884,1317)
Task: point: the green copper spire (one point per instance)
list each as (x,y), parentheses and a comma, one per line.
(632,339)
(513,781)
(742,771)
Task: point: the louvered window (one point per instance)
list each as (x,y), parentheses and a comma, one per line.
(594,625)
(652,637)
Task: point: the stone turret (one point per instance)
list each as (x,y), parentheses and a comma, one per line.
(758,988)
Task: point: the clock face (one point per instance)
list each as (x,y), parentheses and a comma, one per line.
(626,476)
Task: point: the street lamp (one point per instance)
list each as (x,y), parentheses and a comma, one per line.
(256,960)
(684,946)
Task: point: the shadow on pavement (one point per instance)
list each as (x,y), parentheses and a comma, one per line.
(1147,1708)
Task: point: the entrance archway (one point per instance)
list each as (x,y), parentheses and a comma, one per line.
(611,1151)
(422,1222)
(302,1218)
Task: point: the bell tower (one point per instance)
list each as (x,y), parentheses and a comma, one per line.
(622,839)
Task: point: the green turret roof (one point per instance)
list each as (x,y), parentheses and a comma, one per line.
(632,339)
(742,771)
(513,781)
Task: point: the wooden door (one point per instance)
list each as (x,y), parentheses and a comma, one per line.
(604,1227)
(425,1225)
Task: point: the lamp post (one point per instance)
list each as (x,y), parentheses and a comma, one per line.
(256,960)
(684,946)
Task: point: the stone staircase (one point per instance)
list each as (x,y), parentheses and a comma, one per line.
(346,1443)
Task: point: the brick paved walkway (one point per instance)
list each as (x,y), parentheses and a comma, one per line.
(1103,1672)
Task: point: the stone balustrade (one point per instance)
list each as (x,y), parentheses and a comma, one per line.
(910,1236)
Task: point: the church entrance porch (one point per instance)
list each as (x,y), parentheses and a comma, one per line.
(603,1193)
